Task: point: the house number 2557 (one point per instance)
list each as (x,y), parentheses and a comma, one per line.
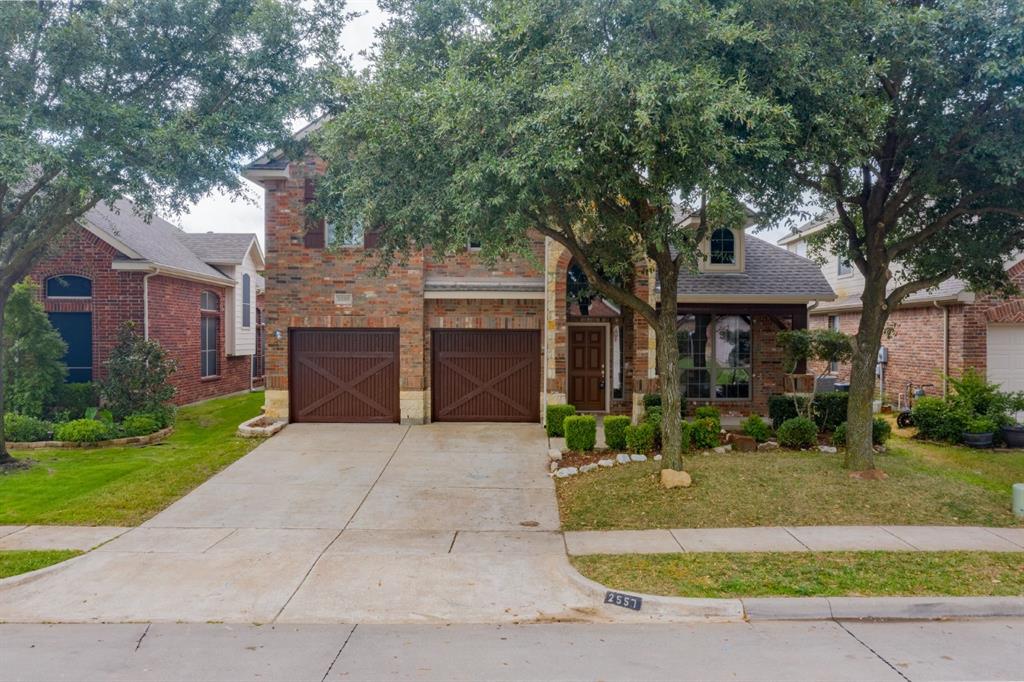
(626,601)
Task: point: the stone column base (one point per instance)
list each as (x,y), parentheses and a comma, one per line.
(414,406)
(275,404)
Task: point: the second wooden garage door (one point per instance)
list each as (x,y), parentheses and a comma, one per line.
(343,375)
(485,375)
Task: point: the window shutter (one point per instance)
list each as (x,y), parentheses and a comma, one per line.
(371,238)
(314,237)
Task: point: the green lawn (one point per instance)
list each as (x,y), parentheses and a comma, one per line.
(927,484)
(13,562)
(124,486)
(824,574)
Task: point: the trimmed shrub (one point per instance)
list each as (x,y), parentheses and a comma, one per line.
(33,351)
(687,435)
(139,425)
(782,407)
(138,374)
(798,432)
(830,409)
(554,416)
(615,431)
(653,417)
(580,432)
(21,428)
(651,400)
(709,412)
(704,433)
(640,438)
(936,419)
(82,431)
(756,428)
(981,425)
(72,400)
(880,432)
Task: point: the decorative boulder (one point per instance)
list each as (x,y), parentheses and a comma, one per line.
(587,467)
(606,462)
(638,458)
(742,443)
(670,478)
(770,445)
(566,472)
(622,458)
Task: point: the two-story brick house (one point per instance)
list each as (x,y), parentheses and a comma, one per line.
(934,333)
(196,294)
(454,339)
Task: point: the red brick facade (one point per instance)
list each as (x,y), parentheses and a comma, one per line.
(915,338)
(117,297)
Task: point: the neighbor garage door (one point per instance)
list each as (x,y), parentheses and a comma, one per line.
(485,375)
(1006,356)
(343,375)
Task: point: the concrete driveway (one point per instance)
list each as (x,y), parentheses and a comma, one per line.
(337,523)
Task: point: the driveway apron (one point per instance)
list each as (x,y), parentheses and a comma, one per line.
(337,523)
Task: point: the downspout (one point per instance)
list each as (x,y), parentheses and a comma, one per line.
(945,347)
(145,301)
(544,334)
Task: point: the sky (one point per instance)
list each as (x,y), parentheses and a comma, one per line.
(220,213)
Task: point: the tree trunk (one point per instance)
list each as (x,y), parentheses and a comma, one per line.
(668,381)
(860,454)
(5,457)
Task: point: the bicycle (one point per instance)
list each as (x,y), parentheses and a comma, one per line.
(905,419)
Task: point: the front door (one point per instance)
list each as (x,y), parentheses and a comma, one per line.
(586,368)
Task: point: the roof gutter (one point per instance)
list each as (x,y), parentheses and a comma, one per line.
(149,266)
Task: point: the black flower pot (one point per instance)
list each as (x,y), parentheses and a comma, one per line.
(977,440)
(1013,436)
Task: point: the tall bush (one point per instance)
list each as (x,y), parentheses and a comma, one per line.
(554,416)
(33,353)
(615,431)
(138,374)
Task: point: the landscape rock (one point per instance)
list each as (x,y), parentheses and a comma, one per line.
(670,478)
(768,445)
(566,472)
(606,462)
(828,449)
(638,458)
(722,449)
(742,443)
(622,458)
(554,466)
(555,455)
(657,458)
(587,467)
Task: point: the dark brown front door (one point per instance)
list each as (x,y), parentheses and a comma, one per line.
(586,368)
(485,375)
(343,375)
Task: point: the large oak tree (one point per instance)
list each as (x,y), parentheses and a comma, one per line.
(158,101)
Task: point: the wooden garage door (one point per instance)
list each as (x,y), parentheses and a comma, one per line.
(343,375)
(485,375)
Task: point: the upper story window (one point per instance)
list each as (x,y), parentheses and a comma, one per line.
(354,238)
(845,267)
(246,301)
(209,301)
(723,247)
(68,286)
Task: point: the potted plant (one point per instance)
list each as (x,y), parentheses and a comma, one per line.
(979,432)
(1013,434)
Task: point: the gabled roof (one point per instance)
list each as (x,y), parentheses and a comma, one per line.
(770,273)
(222,248)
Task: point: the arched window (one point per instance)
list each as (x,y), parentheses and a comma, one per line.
(68,286)
(209,333)
(723,247)
(246,302)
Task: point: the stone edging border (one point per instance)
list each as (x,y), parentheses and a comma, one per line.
(658,608)
(113,442)
(248,428)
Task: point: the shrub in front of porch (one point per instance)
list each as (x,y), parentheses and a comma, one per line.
(554,416)
(827,409)
(704,433)
(580,433)
(756,428)
(615,431)
(640,438)
(798,432)
(880,432)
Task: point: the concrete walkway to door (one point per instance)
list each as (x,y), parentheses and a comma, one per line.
(337,523)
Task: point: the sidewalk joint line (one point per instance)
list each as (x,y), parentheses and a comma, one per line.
(143,636)
(903,540)
(801,542)
(319,556)
(992,532)
(877,655)
(454,535)
(233,531)
(338,655)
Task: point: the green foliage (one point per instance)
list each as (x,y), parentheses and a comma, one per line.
(974,392)
(615,431)
(654,417)
(798,432)
(651,400)
(554,415)
(782,407)
(709,412)
(139,425)
(21,428)
(138,374)
(829,409)
(880,432)
(796,347)
(82,431)
(686,433)
(580,432)
(937,419)
(827,345)
(33,353)
(704,433)
(756,428)
(72,400)
(981,424)
(640,438)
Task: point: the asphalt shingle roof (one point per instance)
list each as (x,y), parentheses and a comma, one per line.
(218,247)
(768,271)
(156,241)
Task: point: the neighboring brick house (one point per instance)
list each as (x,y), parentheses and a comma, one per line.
(458,340)
(186,291)
(934,333)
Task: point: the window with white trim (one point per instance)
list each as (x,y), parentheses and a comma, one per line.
(715,356)
(844,267)
(722,249)
(246,301)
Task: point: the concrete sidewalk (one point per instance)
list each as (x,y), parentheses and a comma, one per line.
(82,538)
(797,539)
